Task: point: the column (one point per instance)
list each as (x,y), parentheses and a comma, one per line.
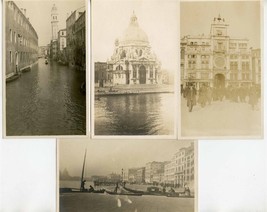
(131,74)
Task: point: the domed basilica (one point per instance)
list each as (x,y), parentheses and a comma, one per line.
(132,61)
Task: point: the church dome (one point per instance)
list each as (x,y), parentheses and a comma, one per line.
(134,35)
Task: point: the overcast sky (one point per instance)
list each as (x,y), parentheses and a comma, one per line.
(105,157)
(243,18)
(39,12)
(159,19)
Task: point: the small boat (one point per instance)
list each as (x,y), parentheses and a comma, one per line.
(75,190)
(12,78)
(83,87)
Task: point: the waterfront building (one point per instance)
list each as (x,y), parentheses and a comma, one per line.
(42,51)
(21,40)
(152,171)
(103,77)
(133,62)
(136,175)
(70,34)
(54,23)
(169,172)
(80,42)
(217,59)
(61,45)
(53,49)
(113,177)
(140,175)
(184,167)
(132,175)
(61,39)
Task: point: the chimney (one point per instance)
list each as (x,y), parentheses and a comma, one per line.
(25,12)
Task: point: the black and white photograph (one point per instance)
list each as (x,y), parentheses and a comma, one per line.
(44,74)
(220,69)
(127,176)
(134,63)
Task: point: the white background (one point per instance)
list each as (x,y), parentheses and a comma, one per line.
(232,174)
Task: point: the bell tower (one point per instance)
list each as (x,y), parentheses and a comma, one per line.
(54,22)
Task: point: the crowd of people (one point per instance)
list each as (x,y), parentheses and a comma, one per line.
(205,95)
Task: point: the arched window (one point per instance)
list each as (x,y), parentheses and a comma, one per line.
(10,34)
(119,68)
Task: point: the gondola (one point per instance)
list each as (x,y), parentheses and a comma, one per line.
(123,193)
(75,190)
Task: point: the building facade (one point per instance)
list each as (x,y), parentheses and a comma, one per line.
(21,40)
(53,50)
(80,42)
(133,62)
(184,167)
(136,175)
(103,77)
(154,171)
(169,172)
(217,59)
(61,46)
(256,66)
(42,51)
(70,35)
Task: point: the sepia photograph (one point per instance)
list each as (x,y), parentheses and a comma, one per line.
(44,68)
(220,69)
(134,66)
(125,176)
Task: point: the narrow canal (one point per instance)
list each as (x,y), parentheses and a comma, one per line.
(46,101)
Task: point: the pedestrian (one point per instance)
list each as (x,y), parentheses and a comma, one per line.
(253,97)
(202,96)
(191,97)
(209,94)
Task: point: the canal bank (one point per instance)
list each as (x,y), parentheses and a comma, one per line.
(46,101)
(133,89)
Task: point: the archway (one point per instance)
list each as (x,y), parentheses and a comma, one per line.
(219,81)
(142,75)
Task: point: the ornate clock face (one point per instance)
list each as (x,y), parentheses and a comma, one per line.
(219,62)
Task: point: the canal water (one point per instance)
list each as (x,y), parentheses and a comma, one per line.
(143,114)
(46,101)
(69,202)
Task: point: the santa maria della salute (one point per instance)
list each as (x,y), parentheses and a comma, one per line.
(132,62)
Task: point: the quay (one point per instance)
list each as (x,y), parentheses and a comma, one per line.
(133,90)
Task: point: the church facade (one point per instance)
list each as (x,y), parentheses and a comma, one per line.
(132,61)
(217,60)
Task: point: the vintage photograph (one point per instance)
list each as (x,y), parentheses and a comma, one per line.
(126,176)
(220,69)
(134,63)
(45,68)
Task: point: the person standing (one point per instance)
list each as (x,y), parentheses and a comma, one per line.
(253,96)
(191,97)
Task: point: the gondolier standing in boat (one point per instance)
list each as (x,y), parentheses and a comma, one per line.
(83,185)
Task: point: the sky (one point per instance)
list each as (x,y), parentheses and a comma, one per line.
(39,13)
(243,18)
(159,19)
(105,157)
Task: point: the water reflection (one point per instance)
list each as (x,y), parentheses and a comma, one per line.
(46,101)
(146,114)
